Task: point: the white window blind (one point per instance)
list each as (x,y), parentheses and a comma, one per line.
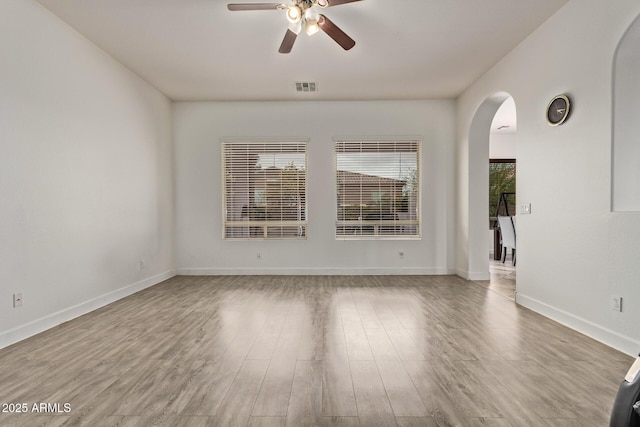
(378,189)
(265,190)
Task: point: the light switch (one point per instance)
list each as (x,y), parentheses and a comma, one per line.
(525,208)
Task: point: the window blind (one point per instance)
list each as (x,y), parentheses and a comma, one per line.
(378,189)
(265,190)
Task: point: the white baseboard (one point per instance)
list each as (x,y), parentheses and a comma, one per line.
(597,332)
(14,335)
(313,271)
(470,275)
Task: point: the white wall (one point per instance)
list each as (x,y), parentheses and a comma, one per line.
(502,145)
(85,174)
(198,129)
(573,252)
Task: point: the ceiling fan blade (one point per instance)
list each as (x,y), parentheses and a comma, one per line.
(255,6)
(335,33)
(287,42)
(339,2)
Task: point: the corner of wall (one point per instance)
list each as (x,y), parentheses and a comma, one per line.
(37,326)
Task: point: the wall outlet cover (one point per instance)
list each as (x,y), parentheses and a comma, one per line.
(17,299)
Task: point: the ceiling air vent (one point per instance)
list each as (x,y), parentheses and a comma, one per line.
(306,87)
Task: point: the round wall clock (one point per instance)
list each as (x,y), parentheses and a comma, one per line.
(558,110)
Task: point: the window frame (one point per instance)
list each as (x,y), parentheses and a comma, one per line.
(377,225)
(265,224)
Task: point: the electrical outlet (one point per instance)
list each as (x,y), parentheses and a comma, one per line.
(259,255)
(17,299)
(616,303)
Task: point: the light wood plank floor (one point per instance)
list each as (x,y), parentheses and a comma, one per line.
(312,351)
(502,277)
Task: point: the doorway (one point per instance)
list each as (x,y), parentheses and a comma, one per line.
(502,196)
(496,111)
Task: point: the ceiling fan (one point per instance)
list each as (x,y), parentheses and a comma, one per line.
(303,13)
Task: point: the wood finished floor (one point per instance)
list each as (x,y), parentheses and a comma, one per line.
(313,351)
(502,277)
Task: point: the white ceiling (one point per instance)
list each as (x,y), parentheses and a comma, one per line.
(405,49)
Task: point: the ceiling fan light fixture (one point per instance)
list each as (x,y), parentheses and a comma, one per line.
(294,14)
(296,27)
(303,13)
(311,27)
(311,15)
(311,18)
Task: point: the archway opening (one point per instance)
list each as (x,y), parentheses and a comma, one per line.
(502,198)
(492,139)
(625,195)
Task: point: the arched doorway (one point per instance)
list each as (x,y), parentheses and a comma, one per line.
(496,111)
(502,196)
(626,126)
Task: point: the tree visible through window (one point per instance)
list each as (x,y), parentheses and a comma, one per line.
(502,179)
(265,194)
(378,191)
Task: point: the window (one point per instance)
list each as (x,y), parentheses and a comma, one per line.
(265,190)
(502,189)
(378,189)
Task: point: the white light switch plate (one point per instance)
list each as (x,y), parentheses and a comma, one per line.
(525,208)
(616,303)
